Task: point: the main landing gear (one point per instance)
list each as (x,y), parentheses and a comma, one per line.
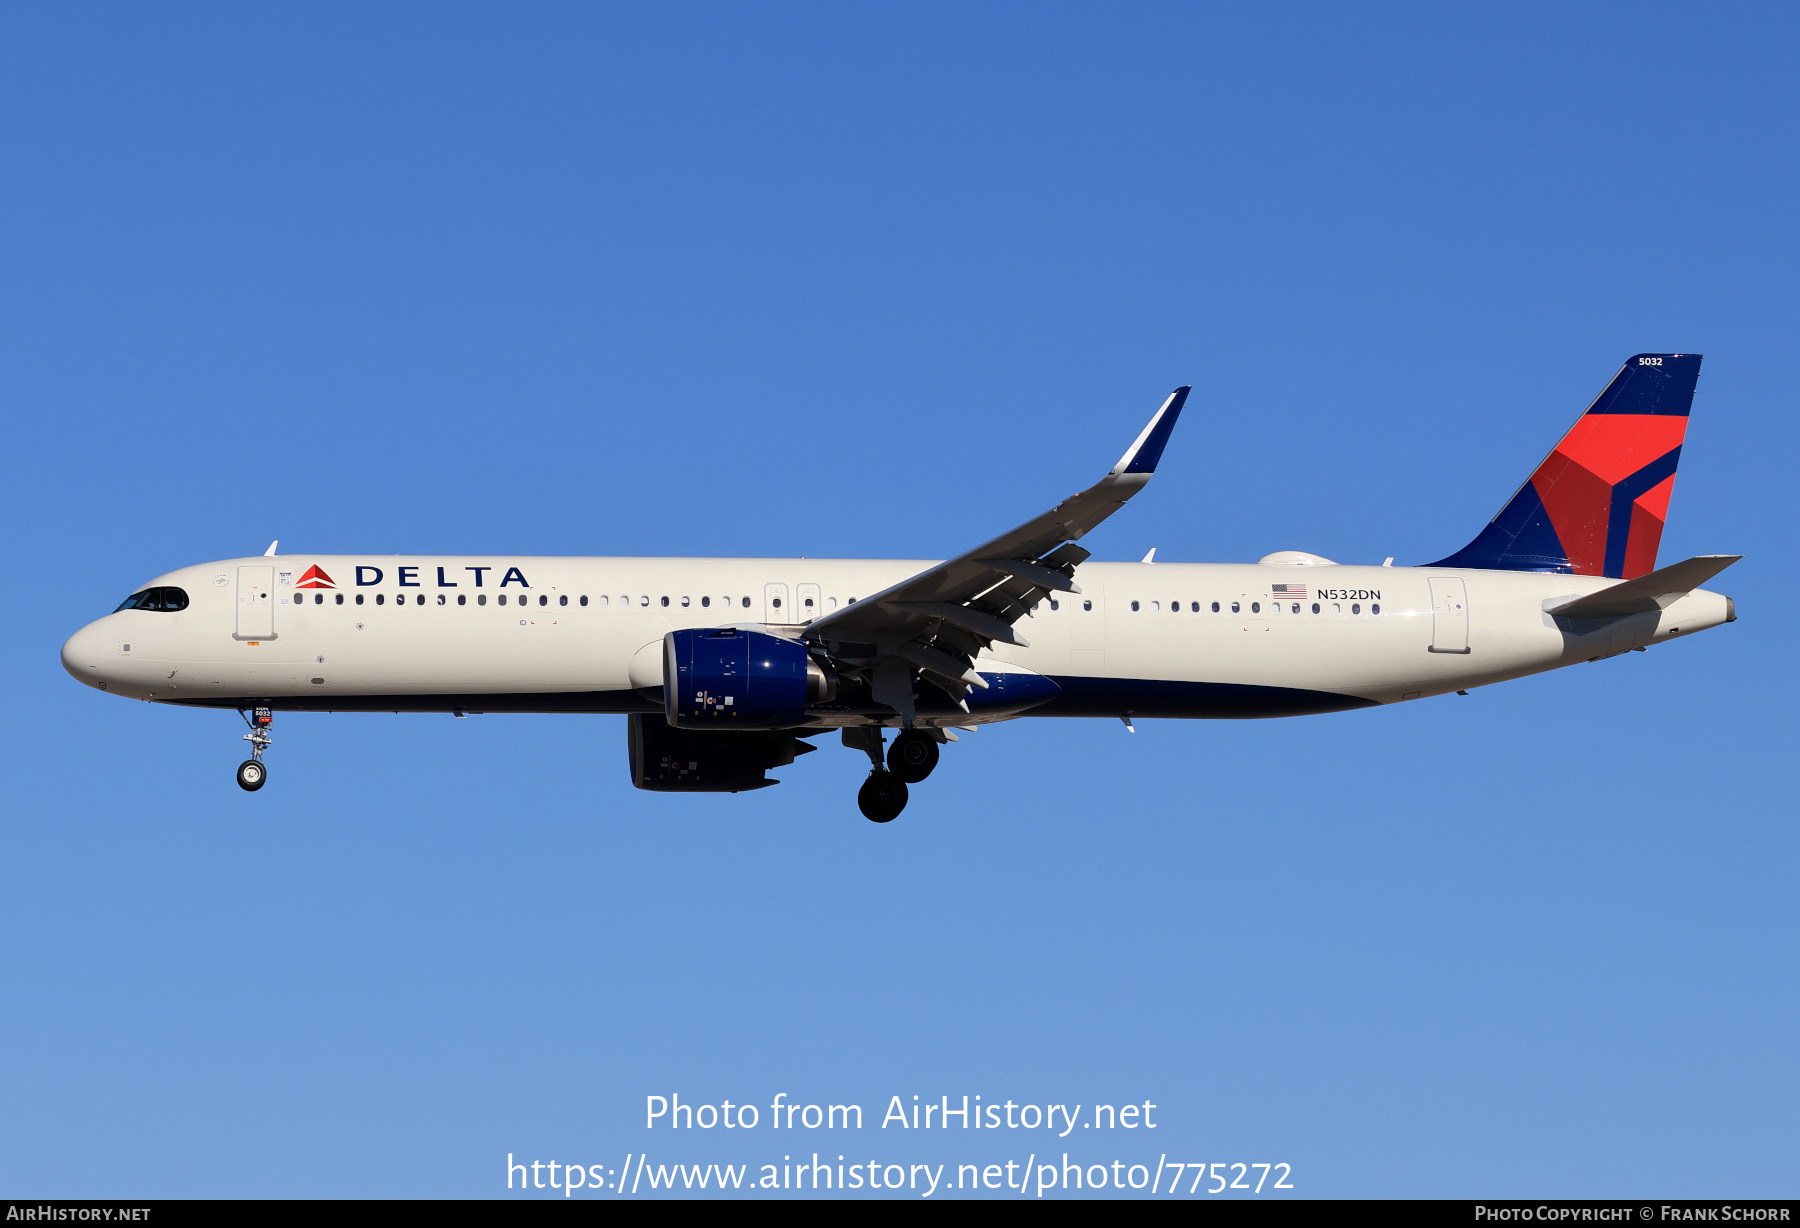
(909,760)
(882,797)
(912,756)
(251,773)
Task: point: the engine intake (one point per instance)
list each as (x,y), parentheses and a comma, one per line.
(735,679)
(665,760)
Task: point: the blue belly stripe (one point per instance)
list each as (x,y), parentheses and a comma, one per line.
(1191,700)
(1076,697)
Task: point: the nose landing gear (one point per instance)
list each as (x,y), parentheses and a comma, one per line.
(252,774)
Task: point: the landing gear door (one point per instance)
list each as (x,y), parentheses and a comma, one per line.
(1449,615)
(255,603)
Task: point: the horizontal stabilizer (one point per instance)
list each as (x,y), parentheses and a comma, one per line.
(1656,591)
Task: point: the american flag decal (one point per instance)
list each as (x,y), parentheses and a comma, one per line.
(1295,591)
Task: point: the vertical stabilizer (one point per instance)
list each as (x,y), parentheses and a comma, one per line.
(1597,504)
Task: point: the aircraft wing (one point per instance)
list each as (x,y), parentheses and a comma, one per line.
(933,624)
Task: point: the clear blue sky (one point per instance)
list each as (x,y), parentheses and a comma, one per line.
(880,281)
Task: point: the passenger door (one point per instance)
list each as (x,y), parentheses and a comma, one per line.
(811,606)
(1449,615)
(255,609)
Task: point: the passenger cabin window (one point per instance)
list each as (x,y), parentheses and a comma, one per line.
(163,600)
(419,600)
(1087,605)
(1375,609)
(543,598)
(1355,609)
(359,599)
(1234,607)
(339,599)
(1215,607)
(481,599)
(1315,606)
(381,599)
(1256,607)
(1196,606)
(705,602)
(747,602)
(1134,606)
(462,599)
(441,599)
(502,598)
(564,600)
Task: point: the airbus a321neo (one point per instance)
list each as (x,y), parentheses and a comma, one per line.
(725,668)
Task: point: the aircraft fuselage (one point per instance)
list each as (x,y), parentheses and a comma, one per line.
(546,634)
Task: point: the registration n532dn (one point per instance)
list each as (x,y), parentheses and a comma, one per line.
(727,668)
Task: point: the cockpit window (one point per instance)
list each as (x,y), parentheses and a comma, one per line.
(165,600)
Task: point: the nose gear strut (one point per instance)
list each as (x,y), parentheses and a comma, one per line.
(252,773)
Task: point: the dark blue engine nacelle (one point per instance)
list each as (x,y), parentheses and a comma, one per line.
(733,679)
(666,760)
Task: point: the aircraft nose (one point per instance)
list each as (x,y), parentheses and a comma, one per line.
(79,654)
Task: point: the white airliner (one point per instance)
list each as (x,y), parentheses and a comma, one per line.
(725,666)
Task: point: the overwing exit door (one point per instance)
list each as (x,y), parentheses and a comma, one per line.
(775,605)
(1087,618)
(1449,615)
(255,606)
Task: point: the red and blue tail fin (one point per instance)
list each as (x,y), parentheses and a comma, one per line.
(1597,503)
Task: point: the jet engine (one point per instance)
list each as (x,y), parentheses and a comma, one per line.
(665,760)
(730,678)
